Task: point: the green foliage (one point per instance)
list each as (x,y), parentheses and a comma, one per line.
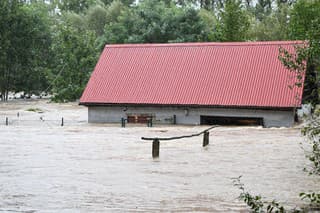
(312,132)
(155,22)
(263,9)
(305,25)
(295,62)
(313,198)
(114,10)
(76,6)
(31,34)
(212,26)
(75,56)
(304,21)
(234,21)
(300,64)
(75,20)
(97,19)
(255,202)
(272,25)
(25,41)
(211,5)
(124,2)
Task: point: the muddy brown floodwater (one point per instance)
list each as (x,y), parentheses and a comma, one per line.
(80,167)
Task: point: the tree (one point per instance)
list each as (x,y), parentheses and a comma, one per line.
(234,21)
(263,9)
(75,55)
(187,26)
(24,40)
(36,44)
(76,6)
(156,22)
(212,26)
(124,2)
(305,25)
(97,19)
(272,26)
(75,20)
(7,12)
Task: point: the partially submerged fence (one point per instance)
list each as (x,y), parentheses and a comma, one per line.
(156,140)
(9,121)
(18,121)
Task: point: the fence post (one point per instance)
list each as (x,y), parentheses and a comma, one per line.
(62,123)
(7,121)
(155,148)
(123,122)
(205,139)
(149,122)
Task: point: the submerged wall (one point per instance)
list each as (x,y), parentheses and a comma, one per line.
(164,115)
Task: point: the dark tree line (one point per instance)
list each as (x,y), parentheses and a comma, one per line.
(53,47)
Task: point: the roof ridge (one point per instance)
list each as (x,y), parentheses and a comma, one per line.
(201,44)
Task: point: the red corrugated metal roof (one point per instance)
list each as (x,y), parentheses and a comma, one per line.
(243,74)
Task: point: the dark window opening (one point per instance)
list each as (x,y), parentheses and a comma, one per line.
(138,118)
(230,121)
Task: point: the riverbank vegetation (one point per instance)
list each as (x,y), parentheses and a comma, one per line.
(304,25)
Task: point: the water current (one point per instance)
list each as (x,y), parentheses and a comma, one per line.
(80,167)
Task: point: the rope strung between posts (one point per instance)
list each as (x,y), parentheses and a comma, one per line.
(179,137)
(156,140)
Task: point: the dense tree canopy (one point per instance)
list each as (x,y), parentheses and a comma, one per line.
(305,25)
(25,41)
(52,46)
(234,21)
(74,56)
(155,22)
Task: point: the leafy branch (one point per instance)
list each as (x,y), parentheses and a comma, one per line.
(312,132)
(255,202)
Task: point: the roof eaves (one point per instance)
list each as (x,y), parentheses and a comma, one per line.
(189,105)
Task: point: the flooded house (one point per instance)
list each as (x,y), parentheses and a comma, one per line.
(240,83)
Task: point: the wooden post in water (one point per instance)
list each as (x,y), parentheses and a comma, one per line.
(149,122)
(205,139)
(62,123)
(155,148)
(7,121)
(123,122)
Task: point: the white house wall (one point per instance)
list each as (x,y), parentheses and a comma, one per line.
(164,115)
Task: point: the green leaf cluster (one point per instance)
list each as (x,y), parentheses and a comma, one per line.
(155,22)
(24,46)
(75,54)
(256,203)
(312,132)
(313,198)
(305,25)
